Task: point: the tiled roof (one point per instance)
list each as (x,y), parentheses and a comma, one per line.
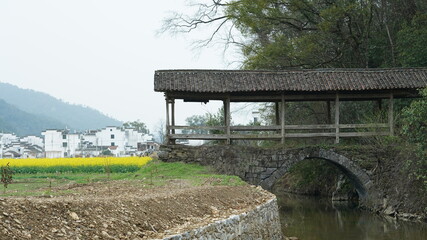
(316,80)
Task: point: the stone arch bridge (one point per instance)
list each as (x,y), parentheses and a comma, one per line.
(264,167)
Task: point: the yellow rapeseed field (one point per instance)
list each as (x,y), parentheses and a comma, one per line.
(75,162)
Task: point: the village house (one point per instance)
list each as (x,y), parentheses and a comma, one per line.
(59,143)
(112,137)
(11,146)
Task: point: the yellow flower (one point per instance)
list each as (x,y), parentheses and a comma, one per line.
(96,161)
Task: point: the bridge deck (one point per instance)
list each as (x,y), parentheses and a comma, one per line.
(280,87)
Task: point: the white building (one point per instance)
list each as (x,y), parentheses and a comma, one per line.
(112,136)
(60,143)
(8,138)
(120,142)
(32,140)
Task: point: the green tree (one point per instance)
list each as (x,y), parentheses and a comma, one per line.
(137,125)
(280,34)
(414,127)
(411,42)
(414,121)
(196,120)
(209,119)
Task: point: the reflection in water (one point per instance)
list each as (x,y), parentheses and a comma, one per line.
(310,218)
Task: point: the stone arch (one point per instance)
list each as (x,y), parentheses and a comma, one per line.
(356,174)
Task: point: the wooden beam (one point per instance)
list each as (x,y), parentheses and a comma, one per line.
(227,118)
(271,136)
(167,119)
(256,128)
(304,135)
(282,140)
(199,136)
(172,101)
(199,127)
(287,127)
(391,114)
(380,104)
(277,113)
(292,96)
(363,134)
(225,136)
(337,119)
(365,125)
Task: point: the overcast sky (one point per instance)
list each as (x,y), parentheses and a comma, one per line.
(100,54)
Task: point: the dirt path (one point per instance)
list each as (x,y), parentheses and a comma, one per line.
(123,210)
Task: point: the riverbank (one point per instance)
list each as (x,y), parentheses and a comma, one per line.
(124,210)
(159,200)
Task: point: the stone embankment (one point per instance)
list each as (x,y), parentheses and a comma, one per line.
(261,222)
(128,210)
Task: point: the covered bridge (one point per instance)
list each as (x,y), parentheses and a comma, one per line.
(330,85)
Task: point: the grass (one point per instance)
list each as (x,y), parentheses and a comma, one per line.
(63,165)
(155,173)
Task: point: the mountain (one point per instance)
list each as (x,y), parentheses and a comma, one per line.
(22,123)
(57,113)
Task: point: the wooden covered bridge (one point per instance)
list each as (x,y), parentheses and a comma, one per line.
(279,87)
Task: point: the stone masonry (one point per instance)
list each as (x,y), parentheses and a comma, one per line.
(262,222)
(264,167)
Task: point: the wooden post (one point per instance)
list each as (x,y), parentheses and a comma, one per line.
(167,119)
(172,101)
(380,104)
(283,119)
(277,115)
(328,103)
(227,118)
(391,114)
(337,118)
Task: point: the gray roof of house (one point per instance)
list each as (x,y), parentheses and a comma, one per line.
(313,80)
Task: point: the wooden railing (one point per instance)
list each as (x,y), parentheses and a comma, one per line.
(280,131)
(274,132)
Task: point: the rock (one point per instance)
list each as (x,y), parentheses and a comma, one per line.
(74,216)
(389,211)
(214,210)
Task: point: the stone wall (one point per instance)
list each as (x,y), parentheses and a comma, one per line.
(261,222)
(378,174)
(263,166)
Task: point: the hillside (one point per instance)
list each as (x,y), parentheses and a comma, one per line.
(53,111)
(22,123)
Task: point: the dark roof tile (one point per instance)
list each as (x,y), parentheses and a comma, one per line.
(318,80)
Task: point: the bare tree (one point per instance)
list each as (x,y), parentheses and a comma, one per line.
(211,16)
(161,131)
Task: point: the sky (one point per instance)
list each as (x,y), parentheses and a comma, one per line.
(102,54)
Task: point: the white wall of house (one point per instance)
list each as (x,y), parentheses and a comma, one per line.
(8,138)
(112,136)
(33,140)
(60,143)
(133,137)
(53,143)
(91,137)
(73,143)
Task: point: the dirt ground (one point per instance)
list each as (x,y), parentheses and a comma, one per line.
(123,210)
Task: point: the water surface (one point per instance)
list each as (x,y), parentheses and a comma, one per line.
(310,218)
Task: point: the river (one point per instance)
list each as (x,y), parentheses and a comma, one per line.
(310,218)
